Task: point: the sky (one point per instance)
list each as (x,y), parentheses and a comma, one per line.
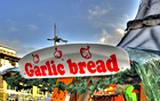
(25,25)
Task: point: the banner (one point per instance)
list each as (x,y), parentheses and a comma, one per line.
(74,60)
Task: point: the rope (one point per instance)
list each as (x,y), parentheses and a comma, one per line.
(148,21)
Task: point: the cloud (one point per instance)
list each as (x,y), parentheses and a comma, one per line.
(111,39)
(104,36)
(119,31)
(20,48)
(32,27)
(105,17)
(10,21)
(13,29)
(127,17)
(97,11)
(9,29)
(9,26)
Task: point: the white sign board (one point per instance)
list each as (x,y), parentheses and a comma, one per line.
(74,60)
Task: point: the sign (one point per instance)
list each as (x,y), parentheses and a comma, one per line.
(74,60)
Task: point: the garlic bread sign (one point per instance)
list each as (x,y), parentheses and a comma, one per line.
(74,60)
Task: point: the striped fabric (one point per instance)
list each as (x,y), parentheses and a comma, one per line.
(144,31)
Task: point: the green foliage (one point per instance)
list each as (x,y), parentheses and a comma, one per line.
(79,84)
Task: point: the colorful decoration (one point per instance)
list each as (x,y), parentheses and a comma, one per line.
(85,52)
(129,94)
(57,53)
(58,94)
(119,97)
(36,58)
